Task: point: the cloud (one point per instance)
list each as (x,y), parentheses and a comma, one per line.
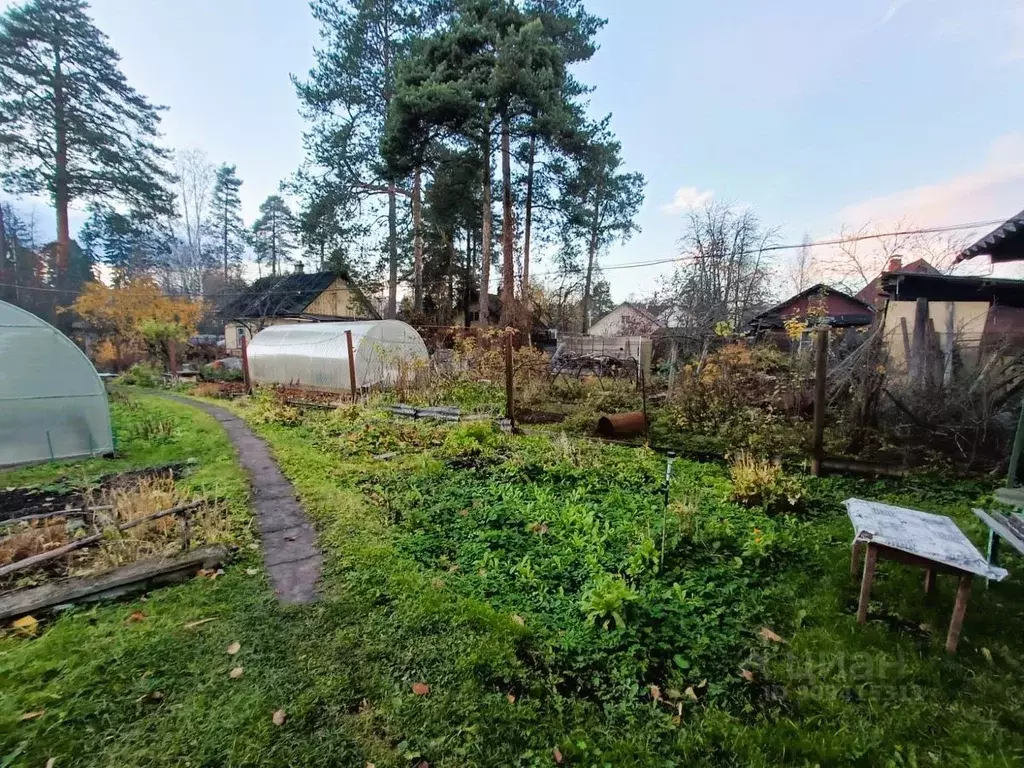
(995,189)
(686,198)
(894,8)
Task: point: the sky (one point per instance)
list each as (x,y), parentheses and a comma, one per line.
(812,114)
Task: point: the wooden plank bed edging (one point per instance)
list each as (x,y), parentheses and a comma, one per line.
(127,580)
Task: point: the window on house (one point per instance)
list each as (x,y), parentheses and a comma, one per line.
(239,336)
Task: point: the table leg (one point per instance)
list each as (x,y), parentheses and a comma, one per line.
(855,555)
(963,593)
(865,583)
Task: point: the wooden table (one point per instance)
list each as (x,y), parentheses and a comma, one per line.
(920,539)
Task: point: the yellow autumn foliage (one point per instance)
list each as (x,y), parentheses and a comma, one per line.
(120,315)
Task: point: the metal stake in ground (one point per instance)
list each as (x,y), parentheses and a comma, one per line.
(664,513)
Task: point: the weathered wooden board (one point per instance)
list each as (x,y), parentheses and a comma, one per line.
(127,580)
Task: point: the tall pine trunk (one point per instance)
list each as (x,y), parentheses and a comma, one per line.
(485,245)
(225,233)
(450,271)
(467,278)
(591,256)
(524,291)
(417,243)
(61,187)
(392,308)
(509,315)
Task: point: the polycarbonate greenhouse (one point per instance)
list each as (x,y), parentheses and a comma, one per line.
(315,355)
(52,403)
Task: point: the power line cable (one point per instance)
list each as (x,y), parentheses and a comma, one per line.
(603,268)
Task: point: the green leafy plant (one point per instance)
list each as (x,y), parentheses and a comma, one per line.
(607,600)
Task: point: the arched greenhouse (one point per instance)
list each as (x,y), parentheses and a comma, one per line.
(315,355)
(52,403)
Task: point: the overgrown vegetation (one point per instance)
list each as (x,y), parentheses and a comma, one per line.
(549,599)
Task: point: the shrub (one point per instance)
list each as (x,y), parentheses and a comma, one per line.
(267,407)
(144,375)
(213,372)
(761,482)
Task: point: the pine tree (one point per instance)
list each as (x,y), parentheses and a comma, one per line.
(273,233)
(599,201)
(129,245)
(73,128)
(568,24)
(226,217)
(347,97)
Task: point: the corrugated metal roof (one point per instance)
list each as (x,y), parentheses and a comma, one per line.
(1004,243)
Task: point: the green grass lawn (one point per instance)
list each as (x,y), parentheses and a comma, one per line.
(540,589)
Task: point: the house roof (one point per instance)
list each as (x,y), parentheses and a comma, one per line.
(1004,243)
(288,295)
(773,317)
(870,292)
(636,308)
(906,286)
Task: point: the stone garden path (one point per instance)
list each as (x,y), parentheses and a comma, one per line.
(290,550)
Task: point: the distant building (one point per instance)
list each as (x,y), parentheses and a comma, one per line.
(872,292)
(819,303)
(626,320)
(295,298)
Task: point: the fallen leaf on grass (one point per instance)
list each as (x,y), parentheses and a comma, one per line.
(251,571)
(422,764)
(234,648)
(420,689)
(656,693)
(199,622)
(137,616)
(767,634)
(51,762)
(27,625)
(33,715)
(518,619)
(747,674)
(254,546)
(279,717)
(691,694)
(235,673)
(511,698)
(557,754)
(987,654)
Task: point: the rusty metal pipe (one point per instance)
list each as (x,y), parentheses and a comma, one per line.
(618,425)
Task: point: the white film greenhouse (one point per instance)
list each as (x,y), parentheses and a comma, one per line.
(52,403)
(315,355)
